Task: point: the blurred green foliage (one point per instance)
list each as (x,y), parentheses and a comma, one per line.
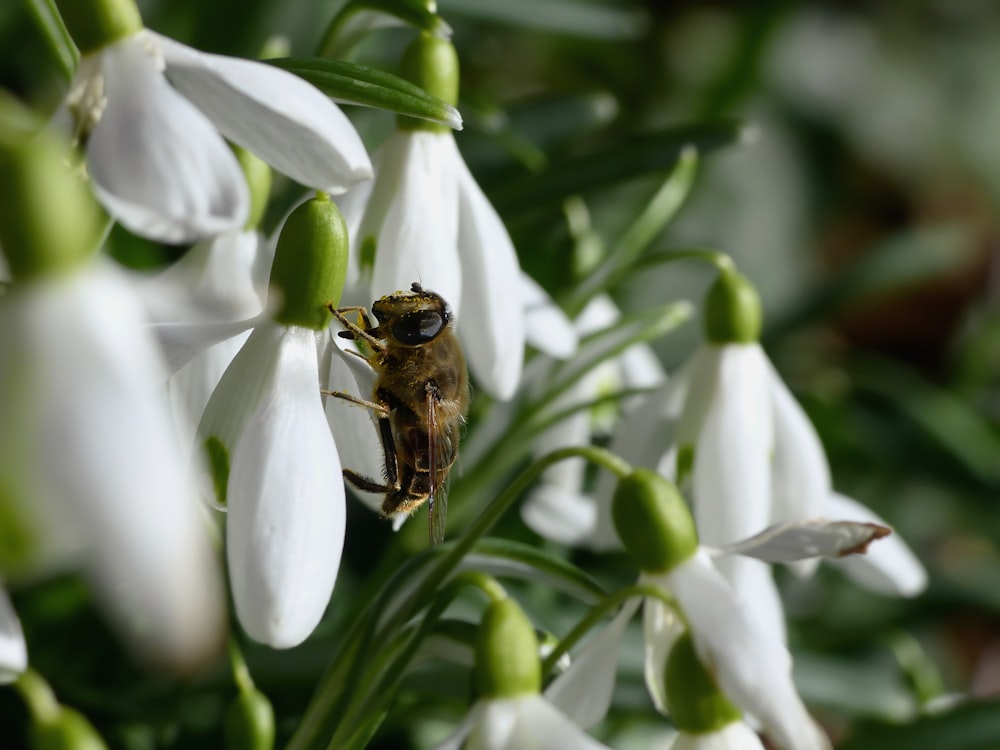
(865,210)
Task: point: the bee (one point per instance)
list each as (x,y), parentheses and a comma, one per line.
(420,399)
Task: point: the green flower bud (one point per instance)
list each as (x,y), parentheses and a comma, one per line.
(732,310)
(258,176)
(48,219)
(653,521)
(310,263)
(249,722)
(695,703)
(507,662)
(68,729)
(431,63)
(96,23)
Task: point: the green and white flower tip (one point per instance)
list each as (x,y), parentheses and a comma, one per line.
(424,217)
(510,713)
(653,521)
(38,186)
(732,310)
(153,115)
(274,463)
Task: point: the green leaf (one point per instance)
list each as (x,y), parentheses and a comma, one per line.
(974,725)
(51,25)
(360,17)
(370,87)
(505,558)
(589,20)
(634,157)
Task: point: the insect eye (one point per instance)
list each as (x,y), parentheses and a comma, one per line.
(418,327)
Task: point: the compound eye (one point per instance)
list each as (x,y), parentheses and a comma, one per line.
(418,327)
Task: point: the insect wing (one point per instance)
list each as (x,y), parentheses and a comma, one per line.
(437,502)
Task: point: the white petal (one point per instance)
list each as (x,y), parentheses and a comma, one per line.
(732,465)
(788,542)
(417,239)
(751,667)
(661,628)
(274,114)
(801,475)
(158,164)
(583,692)
(182,342)
(13,650)
(214,280)
(546,326)
(492,333)
(250,376)
(734,736)
(560,514)
(541,726)
(496,724)
(120,478)
(890,567)
(285,527)
(354,427)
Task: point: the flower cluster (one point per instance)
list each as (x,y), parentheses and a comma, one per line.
(215,407)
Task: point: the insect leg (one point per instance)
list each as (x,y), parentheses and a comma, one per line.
(366,484)
(354,331)
(380,409)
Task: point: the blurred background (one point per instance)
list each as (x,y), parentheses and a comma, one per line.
(862,202)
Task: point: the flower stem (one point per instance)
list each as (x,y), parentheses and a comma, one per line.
(51,25)
(38,696)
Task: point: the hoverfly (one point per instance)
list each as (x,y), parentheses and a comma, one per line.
(420,398)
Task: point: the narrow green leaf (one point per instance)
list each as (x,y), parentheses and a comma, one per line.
(610,20)
(51,25)
(360,17)
(370,87)
(640,155)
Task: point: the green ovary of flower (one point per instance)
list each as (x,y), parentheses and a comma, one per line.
(431,63)
(694,700)
(310,264)
(732,310)
(507,662)
(96,23)
(653,521)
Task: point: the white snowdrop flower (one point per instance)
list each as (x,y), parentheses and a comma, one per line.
(89,467)
(743,661)
(94,471)
(558,508)
(510,713)
(275,465)
(153,115)
(13,649)
(735,735)
(424,218)
(727,426)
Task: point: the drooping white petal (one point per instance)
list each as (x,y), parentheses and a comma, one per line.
(583,692)
(13,650)
(734,736)
(732,463)
(788,542)
(800,477)
(119,479)
(546,326)
(354,427)
(559,513)
(890,567)
(285,526)
(158,165)
(215,280)
(661,628)
(751,666)
(417,238)
(763,600)
(273,113)
(525,722)
(492,332)
(182,342)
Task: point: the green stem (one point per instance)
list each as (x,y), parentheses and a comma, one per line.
(38,696)
(713,257)
(241,673)
(599,611)
(921,671)
(321,711)
(383,681)
(51,25)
